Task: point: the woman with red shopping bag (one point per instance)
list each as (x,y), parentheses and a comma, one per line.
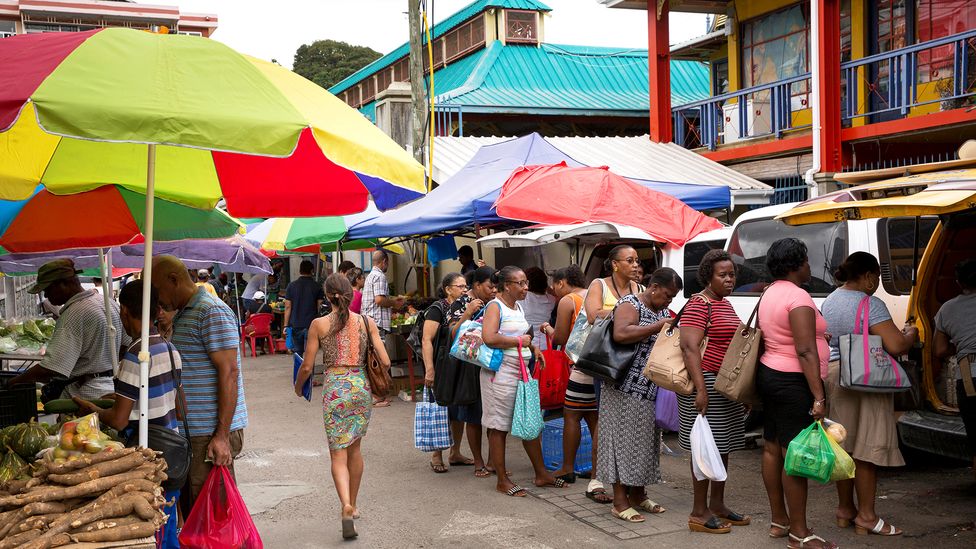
(346,339)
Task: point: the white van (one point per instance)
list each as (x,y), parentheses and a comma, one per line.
(589,244)
(891,240)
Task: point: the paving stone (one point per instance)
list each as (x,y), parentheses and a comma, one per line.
(627,535)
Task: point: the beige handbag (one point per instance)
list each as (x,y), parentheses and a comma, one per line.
(736,378)
(666,365)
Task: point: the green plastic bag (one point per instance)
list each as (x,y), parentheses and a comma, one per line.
(810,455)
(843,462)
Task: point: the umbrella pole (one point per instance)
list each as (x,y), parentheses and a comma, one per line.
(105,261)
(146,287)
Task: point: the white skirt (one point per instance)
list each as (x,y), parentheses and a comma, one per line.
(498,394)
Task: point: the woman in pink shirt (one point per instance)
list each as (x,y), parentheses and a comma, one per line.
(358,280)
(790,384)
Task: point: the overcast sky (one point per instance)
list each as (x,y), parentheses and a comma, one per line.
(274,30)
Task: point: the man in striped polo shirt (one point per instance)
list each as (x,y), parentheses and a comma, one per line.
(205,332)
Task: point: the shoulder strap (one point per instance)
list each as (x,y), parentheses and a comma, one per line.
(369,336)
(180,395)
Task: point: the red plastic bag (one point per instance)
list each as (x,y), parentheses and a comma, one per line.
(219,519)
(553,378)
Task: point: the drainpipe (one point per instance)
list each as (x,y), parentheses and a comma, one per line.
(815,96)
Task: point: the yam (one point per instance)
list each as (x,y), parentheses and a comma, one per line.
(17,540)
(45,508)
(119,507)
(99,470)
(107,523)
(90,488)
(120,533)
(103,456)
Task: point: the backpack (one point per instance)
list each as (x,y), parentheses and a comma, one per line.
(416,338)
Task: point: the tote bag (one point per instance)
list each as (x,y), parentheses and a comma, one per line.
(554,378)
(469,346)
(527,417)
(864,364)
(736,379)
(431,425)
(602,357)
(665,364)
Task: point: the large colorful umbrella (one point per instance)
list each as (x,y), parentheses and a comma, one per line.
(100,218)
(301,234)
(597,194)
(76,110)
(192,120)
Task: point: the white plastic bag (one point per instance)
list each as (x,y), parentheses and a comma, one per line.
(705,459)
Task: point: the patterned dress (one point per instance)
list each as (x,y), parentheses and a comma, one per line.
(346,400)
(629,452)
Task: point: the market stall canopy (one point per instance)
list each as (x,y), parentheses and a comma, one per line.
(104,217)
(233,254)
(594,195)
(467,198)
(78,109)
(917,195)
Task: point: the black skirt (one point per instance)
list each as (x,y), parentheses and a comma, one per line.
(786,400)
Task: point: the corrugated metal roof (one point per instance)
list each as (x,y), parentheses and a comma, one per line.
(462,15)
(636,157)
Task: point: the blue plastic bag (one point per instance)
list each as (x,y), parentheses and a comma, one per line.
(307,388)
(470,347)
(527,418)
(431,425)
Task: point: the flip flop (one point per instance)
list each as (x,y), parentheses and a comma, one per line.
(514,491)
(438,467)
(466,463)
(710,526)
(812,537)
(557,483)
(627,515)
(568,478)
(381,404)
(785,529)
(735,519)
(651,507)
(482,473)
(881,528)
(595,496)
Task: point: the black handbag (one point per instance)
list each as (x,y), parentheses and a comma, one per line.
(456,383)
(601,356)
(174,446)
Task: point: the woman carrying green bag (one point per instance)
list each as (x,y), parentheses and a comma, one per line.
(504,327)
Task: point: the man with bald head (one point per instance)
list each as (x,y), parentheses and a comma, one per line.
(376,293)
(205,332)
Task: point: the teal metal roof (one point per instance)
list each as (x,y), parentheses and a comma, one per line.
(557,79)
(462,15)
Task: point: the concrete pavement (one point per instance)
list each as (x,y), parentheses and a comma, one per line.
(284,476)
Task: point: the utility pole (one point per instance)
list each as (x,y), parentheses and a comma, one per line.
(417,91)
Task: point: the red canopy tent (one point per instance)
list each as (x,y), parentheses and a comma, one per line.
(556,194)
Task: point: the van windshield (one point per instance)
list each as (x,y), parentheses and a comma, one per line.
(826,245)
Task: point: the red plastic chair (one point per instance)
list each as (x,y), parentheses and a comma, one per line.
(258,326)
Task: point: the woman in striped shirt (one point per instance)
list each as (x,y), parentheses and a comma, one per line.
(709,314)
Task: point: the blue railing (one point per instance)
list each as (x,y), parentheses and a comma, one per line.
(895,82)
(448,120)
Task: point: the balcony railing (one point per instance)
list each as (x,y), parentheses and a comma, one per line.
(448,120)
(934,75)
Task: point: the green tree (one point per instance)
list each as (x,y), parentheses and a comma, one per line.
(327,62)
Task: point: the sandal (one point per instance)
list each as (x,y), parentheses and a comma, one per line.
(651,507)
(466,462)
(812,537)
(599,495)
(438,467)
(735,519)
(881,528)
(482,473)
(381,404)
(349,528)
(568,478)
(710,526)
(784,529)
(556,483)
(628,515)
(515,491)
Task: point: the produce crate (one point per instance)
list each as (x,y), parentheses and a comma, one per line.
(552,446)
(17,404)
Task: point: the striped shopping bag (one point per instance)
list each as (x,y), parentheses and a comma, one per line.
(431,426)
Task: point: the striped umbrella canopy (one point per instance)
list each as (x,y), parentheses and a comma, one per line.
(100,218)
(77,111)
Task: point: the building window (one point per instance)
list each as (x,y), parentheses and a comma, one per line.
(384,78)
(938,19)
(7,28)
(190,33)
(464,39)
(720,77)
(401,71)
(522,26)
(774,46)
(437,51)
(845,30)
(369,89)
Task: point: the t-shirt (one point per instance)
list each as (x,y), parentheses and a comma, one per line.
(207,325)
(780,298)
(356,305)
(162,388)
(538,308)
(207,286)
(304,295)
(840,309)
(258,282)
(259,308)
(957,319)
(721,329)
